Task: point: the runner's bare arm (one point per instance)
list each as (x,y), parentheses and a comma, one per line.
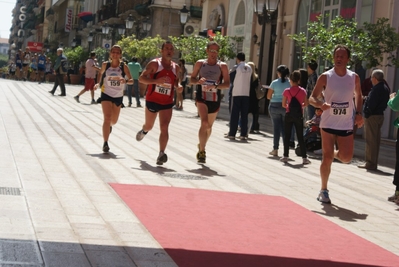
(151,68)
(194,75)
(316,97)
(127,73)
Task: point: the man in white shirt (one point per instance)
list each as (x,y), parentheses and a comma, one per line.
(240,98)
(90,76)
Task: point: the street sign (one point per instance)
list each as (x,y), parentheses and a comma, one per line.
(106,44)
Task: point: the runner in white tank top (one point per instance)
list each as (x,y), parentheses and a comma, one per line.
(338,87)
(339,93)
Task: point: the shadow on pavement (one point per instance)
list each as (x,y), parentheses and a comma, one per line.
(47,253)
(332,210)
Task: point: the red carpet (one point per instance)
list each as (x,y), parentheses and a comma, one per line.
(211,228)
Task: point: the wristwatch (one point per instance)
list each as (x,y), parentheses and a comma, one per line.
(358,113)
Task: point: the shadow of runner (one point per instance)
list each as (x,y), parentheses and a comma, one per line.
(205,171)
(341,213)
(144,166)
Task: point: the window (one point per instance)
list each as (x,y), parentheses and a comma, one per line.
(240,14)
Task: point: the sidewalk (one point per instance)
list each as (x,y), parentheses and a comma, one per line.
(57,208)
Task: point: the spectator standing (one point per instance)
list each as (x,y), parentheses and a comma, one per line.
(183,78)
(160,76)
(135,70)
(393,103)
(373,110)
(232,75)
(294,117)
(276,109)
(312,79)
(59,71)
(210,75)
(341,105)
(240,104)
(90,76)
(253,126)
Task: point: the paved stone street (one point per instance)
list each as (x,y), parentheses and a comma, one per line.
(57,208)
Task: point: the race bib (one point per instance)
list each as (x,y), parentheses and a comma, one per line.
(41,62)
(19,61)
(339,109)
(209,94)
(114,81)
(164,89)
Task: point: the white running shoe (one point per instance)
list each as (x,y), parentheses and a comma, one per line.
(305,161)
(140,135)
(324,197)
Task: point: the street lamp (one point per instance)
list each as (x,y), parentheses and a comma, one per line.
(265,9)
(121,29)
(184,13)
(146,25)
(129,21)
(90,39)
(73,43)
(105,28)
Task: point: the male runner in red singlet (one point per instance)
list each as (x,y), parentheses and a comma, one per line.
(161,77)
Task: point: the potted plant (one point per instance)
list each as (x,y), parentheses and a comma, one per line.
(75,57)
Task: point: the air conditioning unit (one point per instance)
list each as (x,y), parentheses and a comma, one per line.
(191,29)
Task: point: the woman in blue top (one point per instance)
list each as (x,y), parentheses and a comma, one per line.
(276,110)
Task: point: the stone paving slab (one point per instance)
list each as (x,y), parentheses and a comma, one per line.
(67,214)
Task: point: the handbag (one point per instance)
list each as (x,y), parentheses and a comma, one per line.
(261,91)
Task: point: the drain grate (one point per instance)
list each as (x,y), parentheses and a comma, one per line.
(10,191)
(184,176)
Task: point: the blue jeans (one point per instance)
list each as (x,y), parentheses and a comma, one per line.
(135,87)
(277,113)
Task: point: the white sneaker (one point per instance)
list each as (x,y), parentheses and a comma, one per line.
(140,135)
(274,152)
(284,159)
(305,161)
(324,197)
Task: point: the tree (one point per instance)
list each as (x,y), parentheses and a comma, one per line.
(101,54)
(76,56)
(143,49)
(368,44)
(193,48)
(3,60)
